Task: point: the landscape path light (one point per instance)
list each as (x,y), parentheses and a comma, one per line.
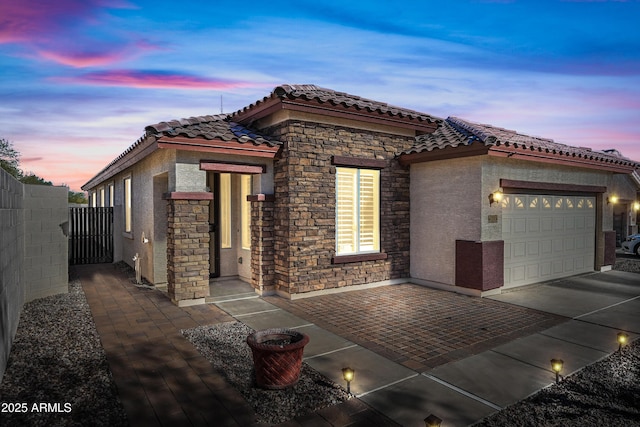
(348,374)
(432,421)
(556,365)
(623,338)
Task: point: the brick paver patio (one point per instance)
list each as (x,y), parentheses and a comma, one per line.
(162,380)
(417,326)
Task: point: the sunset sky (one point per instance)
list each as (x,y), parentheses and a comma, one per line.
(80,79)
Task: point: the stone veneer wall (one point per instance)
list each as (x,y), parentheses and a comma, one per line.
(188,251)
(262,240)
(304,210)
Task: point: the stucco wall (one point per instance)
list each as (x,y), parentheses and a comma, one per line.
(445,207)
(450,201)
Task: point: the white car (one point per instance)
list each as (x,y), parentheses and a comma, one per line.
(632,244)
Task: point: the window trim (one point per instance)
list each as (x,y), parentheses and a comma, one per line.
(127,204)
(367,255)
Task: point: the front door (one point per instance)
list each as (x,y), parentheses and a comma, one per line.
(214,225)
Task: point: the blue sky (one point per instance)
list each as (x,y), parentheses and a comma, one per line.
(80,79)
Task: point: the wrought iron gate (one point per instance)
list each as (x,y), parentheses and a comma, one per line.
(90,235)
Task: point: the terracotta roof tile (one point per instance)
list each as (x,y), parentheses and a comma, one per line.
(209,127)
(322,95)
(456,132)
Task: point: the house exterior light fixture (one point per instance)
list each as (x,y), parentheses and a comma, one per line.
(636,206)
(432,421)
(612,200)
(556,366)
(623,338)
(495,197)
(348,374)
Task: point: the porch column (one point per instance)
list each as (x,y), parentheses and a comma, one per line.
(188,247)
(262,238)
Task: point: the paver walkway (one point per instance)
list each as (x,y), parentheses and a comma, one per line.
(418,327)
(161,378)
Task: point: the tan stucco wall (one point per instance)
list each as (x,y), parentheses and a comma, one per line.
(450,201)
(445,207)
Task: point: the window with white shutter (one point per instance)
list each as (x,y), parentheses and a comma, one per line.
(357,211)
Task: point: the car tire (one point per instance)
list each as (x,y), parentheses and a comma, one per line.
(637,251)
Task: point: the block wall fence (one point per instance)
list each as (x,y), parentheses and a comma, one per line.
(33,250)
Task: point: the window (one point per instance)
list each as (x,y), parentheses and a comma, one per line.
(94,200)
(110,195)
(245,226)
(225,210)
(102,205)
(357,211)
(127,204)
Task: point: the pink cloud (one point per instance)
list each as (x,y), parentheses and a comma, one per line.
(82,59)
(153,80)
(36,21)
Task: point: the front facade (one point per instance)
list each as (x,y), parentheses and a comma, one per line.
(310,190)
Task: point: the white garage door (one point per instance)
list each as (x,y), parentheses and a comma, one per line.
(547,237)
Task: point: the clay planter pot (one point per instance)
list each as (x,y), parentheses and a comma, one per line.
(277,357)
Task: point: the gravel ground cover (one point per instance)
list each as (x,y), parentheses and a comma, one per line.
(57,360)
(225,346)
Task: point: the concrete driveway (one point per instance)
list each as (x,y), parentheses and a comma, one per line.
(575,319)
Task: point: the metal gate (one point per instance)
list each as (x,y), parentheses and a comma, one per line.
(90,235)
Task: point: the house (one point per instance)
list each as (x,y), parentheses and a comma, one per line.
(312,190)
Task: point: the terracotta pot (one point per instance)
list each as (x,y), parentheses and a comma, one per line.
(277,356)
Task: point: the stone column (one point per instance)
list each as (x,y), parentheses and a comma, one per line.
(188,247)
(262,239)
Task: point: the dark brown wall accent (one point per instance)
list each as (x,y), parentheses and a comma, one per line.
(480,265)
(609,247)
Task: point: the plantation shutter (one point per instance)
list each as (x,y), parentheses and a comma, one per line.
(369,210)
(357,210)
(346,210)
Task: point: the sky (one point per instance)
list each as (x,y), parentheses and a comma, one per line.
(80,79)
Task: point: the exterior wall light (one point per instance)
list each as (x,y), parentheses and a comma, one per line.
(612,200)
(495,197)
(623,339)
(348,374)
(432,421)
(636,206)
(556,366)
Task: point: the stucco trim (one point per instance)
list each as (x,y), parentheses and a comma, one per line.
(357,162)
(551,186)
(216,146)
(188,196)
(244,168)
(344,259)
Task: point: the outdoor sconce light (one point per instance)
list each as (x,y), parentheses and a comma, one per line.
(556,365)
(622,340)
(432,421)
(636,206)
(612,200)
(495,197)
(347,374)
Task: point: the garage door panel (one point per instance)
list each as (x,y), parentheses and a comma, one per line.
(547,237)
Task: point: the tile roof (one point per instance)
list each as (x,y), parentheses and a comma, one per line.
(213,127)
(320,95)
(210,128)
(455,132)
